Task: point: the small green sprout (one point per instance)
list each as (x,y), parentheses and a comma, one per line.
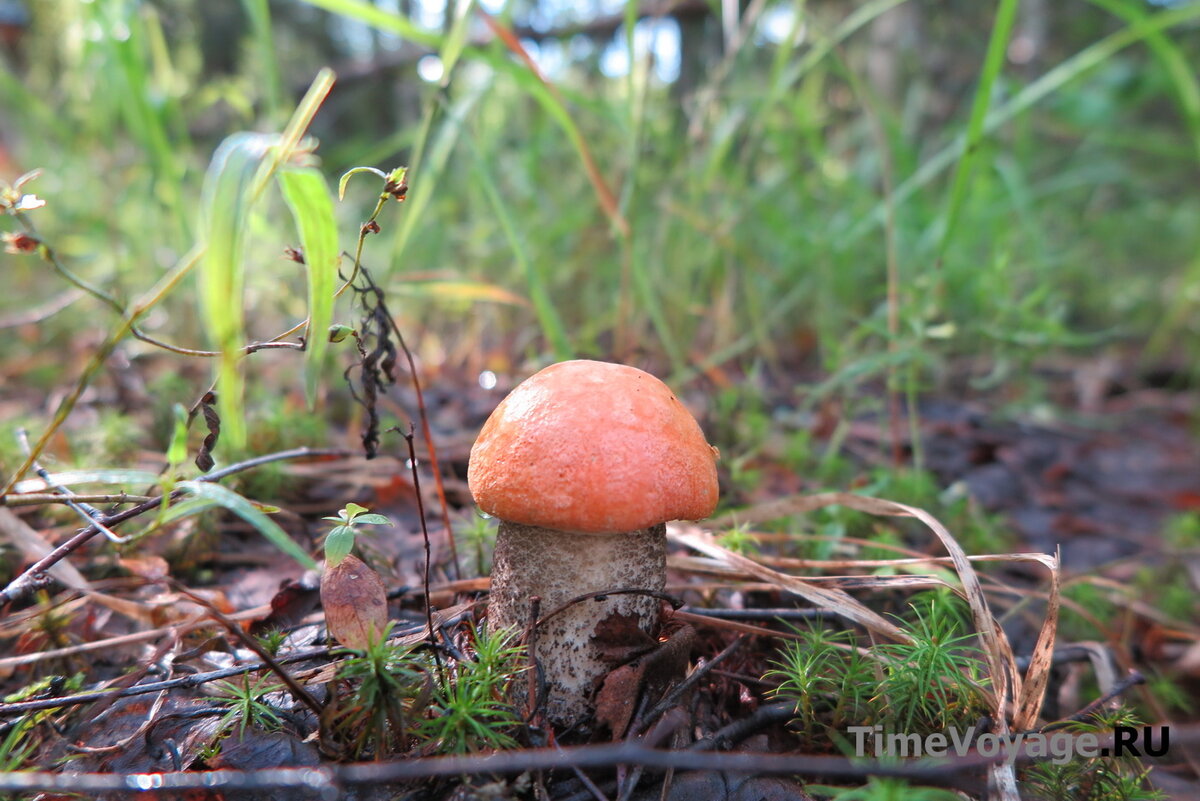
(340,541)
(245,705)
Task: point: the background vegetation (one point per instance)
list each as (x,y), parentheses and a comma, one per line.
(807,206)
(825,190)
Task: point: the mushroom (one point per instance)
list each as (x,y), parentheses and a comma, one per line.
(583,463)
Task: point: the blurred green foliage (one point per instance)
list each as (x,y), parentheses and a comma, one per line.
(758,204)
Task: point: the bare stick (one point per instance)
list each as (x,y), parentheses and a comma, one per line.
(33,576)
(294,687)
(85,510)
(426,432)
(44,498)
(949,771)
(412,461)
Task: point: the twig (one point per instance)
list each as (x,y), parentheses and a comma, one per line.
(191,680)
(675,603)
(679,689)
(784,613)
(740,729)
(588,783)
(23,584)
(426,431)
(43,498)
(412,462)
(50,256)
(949,771)
(156,293)
(43,312)
(294,687)
(536,688)
(1132,680)
(85,510)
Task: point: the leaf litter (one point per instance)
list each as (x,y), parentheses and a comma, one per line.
(1015,696)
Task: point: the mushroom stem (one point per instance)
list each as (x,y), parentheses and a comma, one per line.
(530,560)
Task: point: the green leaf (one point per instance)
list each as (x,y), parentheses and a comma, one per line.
(228,195)
(68,478)
(338,544)
(177,450)
(312,208)
(993,65)
(345,179)
(178,511)
(456,39)
(379,18)
(374,520)
(352,510)
(247,511)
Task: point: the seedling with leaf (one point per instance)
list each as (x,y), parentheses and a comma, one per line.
(353,594)
(340,541)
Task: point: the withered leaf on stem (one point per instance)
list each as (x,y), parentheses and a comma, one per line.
(212,422)
(355,603)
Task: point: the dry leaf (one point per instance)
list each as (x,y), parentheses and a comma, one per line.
(355,603)
(651,673)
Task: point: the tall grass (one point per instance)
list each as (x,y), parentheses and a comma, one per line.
(1047,210)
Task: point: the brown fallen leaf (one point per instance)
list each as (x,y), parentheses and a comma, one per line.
(619,639)
(355,603)
(650,674)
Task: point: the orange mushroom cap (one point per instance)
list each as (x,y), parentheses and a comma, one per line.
(593,447)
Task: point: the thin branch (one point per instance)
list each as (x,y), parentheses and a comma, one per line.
(427,433)
(740,729)
(422,414)
(43,498)
(85,510)
(412,463)
(1088,712)
(679,689)
(33,576)
(675,603)
(294,687)
(958,772)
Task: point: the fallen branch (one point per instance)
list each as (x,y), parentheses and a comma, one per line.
(35,577)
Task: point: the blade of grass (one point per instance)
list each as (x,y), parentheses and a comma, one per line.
(1182,71)
(783,80)
(227,498)
(461,292)
(993,64)
(387,21)
(1053,80)
(546,93)
(240,170)
(69,478)
(259,13)
(303,116)
(312,208)
(1037,675)
(432,165)
(227,198)
(551,324)
(456,39)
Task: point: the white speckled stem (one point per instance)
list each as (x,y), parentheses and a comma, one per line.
(559,566)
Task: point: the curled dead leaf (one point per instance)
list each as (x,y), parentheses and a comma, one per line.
(355,603)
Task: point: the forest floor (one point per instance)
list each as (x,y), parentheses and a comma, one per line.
(139,666)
